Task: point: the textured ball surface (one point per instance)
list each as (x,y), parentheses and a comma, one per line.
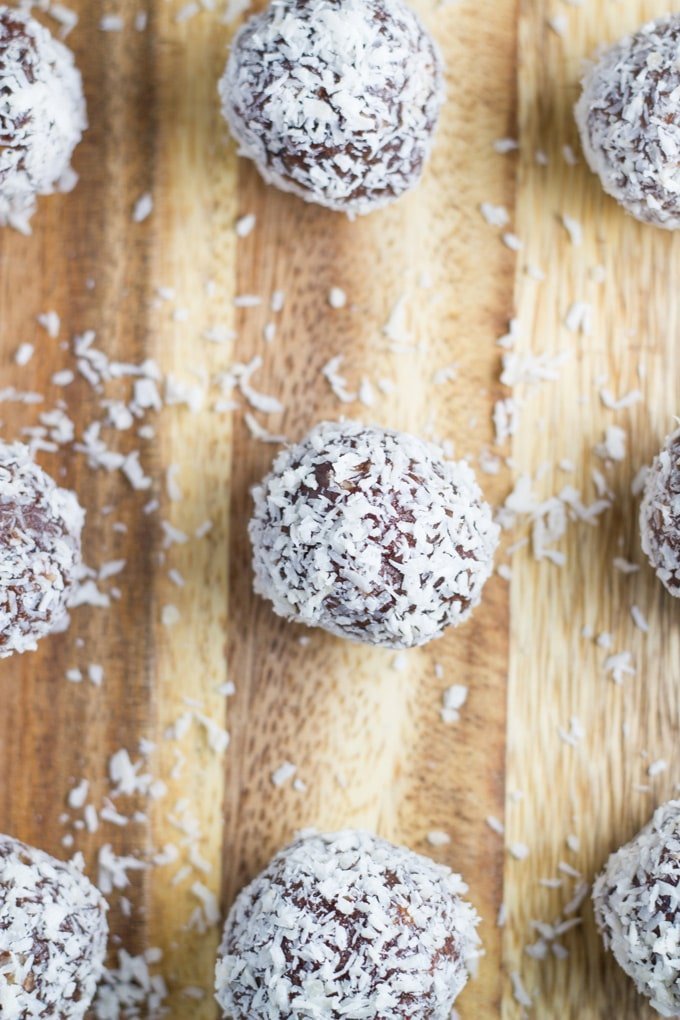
(53,934)
(660,515)
(637,908)
(371,535)
(335,100)
(42,116)
(40,529)
(629,119)
(347,925)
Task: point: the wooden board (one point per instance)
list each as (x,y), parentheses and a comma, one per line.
(362,727)
(592,790)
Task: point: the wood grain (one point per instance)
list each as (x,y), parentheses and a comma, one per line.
(361,726)
(592,790)
(363,729)
(154,127)
(365,735)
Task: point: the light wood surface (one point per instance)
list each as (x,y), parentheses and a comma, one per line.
(591,790)
(362,727)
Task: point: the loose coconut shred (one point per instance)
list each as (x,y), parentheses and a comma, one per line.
(637,907)
(347,925)
(53,935)
(660,515)
(42,116)
(335,100)
(40,528)
(371,535)
(629,119)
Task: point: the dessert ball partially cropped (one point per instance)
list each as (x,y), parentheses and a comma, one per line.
(372,535)
(40,529)
(53,935)
(347,925)
(629,119)
(637,908)
(660,515)
(42,116)
(335,100)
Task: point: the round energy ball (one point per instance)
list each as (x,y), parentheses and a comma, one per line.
(53,935)
(40,529)
(371,535)
(629,119)
(660,515)
(637,908)
(42,116)
(335,100)
(347,925)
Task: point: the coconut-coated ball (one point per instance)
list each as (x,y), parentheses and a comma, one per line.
(53,935)
(347,925)
(629,119)
(660,515)
(42,116)
(637,908)
(40,531)
(335,100)
(372,535)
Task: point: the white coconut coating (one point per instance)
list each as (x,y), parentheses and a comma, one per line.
(53,935)
(42,116)
(660,515)
(347,926)
(629,119)
(40,529)
(372,535)
(637,908)
(335,100)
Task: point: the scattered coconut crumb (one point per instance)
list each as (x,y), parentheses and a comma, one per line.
(170,616)
(574,229)
(143,208)
(337,297)
(511,241)
(639,619)
(558,24)
(625,566)
(579,318)
(24,353)
(78,795)
(337,382)
(258,431)
(187,12)
(283,774)
(111,23)
(495,215)
(613,446)
(245,225)
(627,400)
(519,991)
(453,699)
(505,420)
(95,674)
(529,368)
(495,824)
(620,666)
(574,734)
(437,838)
(505,145)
